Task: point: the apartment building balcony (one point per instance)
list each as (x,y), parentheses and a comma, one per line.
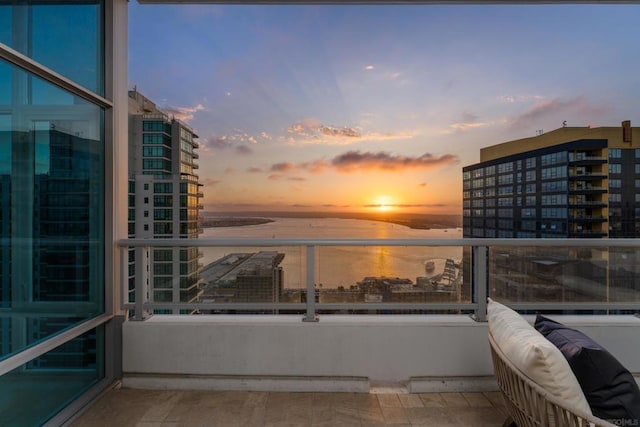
(588,218)
(587,204)
(587,160)
(587,189)
(586,176)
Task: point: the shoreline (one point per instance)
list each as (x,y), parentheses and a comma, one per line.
(414,221)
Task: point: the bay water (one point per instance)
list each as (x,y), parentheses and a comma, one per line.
(341,265)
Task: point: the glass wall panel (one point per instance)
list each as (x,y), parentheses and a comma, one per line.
(51,212)
(32,393)
(564,275)
(75,49)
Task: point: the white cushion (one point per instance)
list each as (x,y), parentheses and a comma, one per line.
(534,355)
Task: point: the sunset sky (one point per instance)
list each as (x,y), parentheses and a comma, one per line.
(369,108)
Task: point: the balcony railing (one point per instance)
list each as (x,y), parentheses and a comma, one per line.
(575,275)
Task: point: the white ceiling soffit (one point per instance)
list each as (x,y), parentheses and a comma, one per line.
(390,2)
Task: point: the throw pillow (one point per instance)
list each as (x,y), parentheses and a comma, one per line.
(609,387)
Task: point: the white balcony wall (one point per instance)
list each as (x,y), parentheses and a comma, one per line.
(338,353)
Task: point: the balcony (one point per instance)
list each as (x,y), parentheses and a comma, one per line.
(587,160)
(588,218)
(428,336)
(585,175)
(586,204)
(588,189)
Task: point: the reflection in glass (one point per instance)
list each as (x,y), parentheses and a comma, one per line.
(32,393)
(561,274)
(51,212)
(74,49)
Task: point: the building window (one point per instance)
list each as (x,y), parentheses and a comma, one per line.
(530,162)
(505,167)
(615,168)
(553,158)
(163,187)
(615,153)
(554,172)
(505,179)
(615,183)
(554,199)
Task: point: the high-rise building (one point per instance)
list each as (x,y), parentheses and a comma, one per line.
(571,182)
(164,195)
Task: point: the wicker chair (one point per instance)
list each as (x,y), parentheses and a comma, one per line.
(528,404)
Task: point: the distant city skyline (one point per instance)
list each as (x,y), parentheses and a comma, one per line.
(375,108)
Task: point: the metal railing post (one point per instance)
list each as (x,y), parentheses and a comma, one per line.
(142,278)
(311,289)
(124,275)
(480,280)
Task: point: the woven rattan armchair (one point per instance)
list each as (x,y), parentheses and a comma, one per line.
(528,404)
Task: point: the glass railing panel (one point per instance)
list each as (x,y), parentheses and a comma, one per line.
(224,275)
(378,276)
(565,275)
(390,274)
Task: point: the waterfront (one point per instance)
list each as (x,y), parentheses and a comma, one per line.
(342,266)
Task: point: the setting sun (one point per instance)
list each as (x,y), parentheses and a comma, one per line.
(384,204)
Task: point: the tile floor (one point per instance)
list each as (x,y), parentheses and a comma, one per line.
(165,408)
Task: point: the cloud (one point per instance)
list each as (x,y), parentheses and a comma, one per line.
(183,113)
(422,184)
(243,150)
(230,170)
(554,108)
(313,131)
(512,99)
(406,206)
(254,169)
(219,142)
(317,166)
(369,68)
(233,141)
(283,167)
(209,182)
(356,161)
(467,121)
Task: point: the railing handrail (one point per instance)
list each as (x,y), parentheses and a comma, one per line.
(479,277)
(245,242)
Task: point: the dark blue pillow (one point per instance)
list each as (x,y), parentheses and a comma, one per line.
(609,387)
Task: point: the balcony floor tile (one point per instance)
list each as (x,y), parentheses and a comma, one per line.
(177,408)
